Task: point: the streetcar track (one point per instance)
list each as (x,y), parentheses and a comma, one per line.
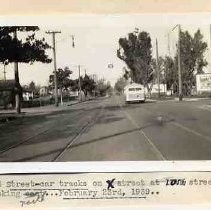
(82,130)
(16,145)
(2,152)
(77,136)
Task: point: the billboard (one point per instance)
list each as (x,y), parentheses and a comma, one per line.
(203,82)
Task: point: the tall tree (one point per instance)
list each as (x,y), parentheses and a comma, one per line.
(137,54)
(87,85)
(192,58)
(170,72)
(63,79)
(103,87)
(32,86)
(23,50)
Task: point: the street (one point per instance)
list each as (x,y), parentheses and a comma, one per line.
(108,129)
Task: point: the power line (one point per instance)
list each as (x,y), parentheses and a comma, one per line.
(169,45)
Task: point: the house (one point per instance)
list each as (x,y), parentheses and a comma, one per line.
(27,95)
(7,85)
(44,91)
(7,93)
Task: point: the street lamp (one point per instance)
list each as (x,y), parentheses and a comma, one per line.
(136,31)
(73,41)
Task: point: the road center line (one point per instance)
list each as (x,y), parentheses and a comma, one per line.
(144,134)
(157,151)
(191,131)
(179,125)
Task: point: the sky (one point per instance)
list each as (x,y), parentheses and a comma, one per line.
(96,41)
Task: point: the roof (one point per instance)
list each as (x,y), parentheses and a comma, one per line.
(26,90)
(133,85)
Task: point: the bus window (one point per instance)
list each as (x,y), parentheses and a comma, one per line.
(138,89)
(131,89)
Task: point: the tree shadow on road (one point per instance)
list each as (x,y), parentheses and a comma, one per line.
(55,152)
(59,129)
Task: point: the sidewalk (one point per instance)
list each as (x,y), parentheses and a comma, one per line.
(187,99)
(8,115)
(192,99)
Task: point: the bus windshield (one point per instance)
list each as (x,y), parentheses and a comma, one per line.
(134,89)
(131,89)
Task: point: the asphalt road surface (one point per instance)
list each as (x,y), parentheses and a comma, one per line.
(108,129)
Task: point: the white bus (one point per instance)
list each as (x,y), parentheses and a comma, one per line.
(134,92)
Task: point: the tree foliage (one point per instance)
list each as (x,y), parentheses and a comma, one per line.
(137,54)
(32,87)
(64,81)
(170,72)
(120,84)
(22,50)
(192,49)
(63,78)
(103,87)
(25,50)
(87,84)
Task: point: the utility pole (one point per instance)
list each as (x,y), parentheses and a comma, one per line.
(169,52)
(55,67)
(158,68)
(179,64)
(210,43)
(17,82)
(210,37)
(79,82)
